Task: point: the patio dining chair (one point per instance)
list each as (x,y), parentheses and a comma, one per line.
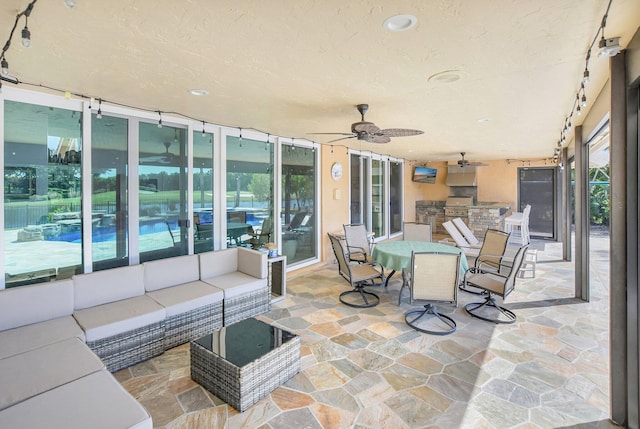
(358,244)
(491,256)
(494,283)
(434,277)
(263,236)
(358,275)
(413,231)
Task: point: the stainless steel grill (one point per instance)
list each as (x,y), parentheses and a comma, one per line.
(457,207)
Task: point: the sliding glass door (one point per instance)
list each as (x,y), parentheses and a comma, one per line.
(109,199)
(299,203)
(42,193)
(162,191)
(203,193)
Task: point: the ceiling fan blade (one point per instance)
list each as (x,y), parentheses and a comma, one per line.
(337,134)
(365,127)
(400,132)
(343,138)
(377,138)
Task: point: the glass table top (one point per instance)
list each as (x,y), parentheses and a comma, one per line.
(244,341)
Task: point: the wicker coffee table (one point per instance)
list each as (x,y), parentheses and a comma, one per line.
(243,362)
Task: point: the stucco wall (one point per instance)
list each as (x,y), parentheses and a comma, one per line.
(498,181)
(335,197)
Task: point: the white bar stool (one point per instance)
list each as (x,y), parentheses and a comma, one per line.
(519,220)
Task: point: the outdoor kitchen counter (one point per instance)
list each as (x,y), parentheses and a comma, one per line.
(487,215)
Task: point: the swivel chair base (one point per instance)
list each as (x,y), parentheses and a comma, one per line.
(369,299)
(429,310)
(490,301)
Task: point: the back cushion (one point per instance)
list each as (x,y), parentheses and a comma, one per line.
(107,286)
(218,262)
(25,305)
(169,272)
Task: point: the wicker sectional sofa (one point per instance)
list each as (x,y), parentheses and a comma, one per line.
(60,341)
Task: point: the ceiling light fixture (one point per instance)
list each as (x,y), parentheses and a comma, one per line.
(198,92)
(70,4)
(399,23)
(446,76)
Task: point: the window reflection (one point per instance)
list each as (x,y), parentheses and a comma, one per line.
(162,189)
(109,142)
(42,193)
(249,198)
(299,202)
(203,191)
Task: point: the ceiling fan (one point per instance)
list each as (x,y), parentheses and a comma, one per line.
(369,132)
(465,163)
(164,158)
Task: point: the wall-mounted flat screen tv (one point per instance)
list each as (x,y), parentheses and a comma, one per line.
(424,174)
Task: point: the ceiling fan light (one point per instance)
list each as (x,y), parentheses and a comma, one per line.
(399,23)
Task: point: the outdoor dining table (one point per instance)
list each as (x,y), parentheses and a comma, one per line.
(396,255)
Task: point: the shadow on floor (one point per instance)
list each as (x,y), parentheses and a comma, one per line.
(545,303)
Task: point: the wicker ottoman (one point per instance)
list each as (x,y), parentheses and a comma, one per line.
(243,362)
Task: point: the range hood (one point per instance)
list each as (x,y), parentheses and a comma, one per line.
(461,176)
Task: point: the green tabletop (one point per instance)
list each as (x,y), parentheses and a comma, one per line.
(396,255)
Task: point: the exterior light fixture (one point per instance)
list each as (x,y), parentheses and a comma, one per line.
(399,23)
(609,47)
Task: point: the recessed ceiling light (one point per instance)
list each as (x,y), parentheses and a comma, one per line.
(71,4)
(446,76)
(198,92)
(483,120)
(400,22)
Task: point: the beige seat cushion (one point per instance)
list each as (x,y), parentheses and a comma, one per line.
(25,338)
(96,401)
(182,298)
(118,317)
(237,283)
(39,370)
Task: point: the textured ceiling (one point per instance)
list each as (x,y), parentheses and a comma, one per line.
(293,67)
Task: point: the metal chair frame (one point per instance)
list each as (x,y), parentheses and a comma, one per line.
(358,276)
(495,283)
(359,247)
(491,255)
(442,268)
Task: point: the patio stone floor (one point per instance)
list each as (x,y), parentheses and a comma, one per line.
(365,368)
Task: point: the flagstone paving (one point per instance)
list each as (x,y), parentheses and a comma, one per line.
(367,369)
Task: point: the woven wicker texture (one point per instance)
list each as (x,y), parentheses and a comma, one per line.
(243,386)
(247,305)
(193,324)
(128,348)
